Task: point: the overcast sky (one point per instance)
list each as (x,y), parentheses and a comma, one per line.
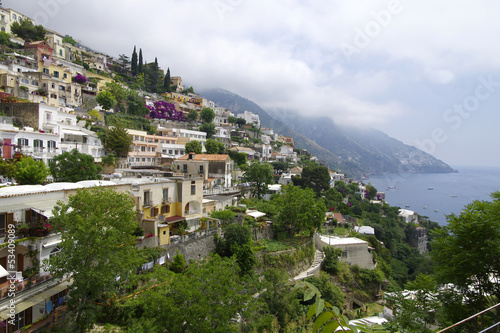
(424,72)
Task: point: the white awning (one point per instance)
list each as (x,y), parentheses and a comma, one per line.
(44,208)
(52,243)
(255,214)
(3,272)
(71,132)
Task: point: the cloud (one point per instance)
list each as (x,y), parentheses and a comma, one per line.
(411,58)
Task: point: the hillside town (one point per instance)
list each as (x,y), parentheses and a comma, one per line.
(182,161)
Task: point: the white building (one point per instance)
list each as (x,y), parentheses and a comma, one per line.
(408,216)
(250,118)
(221,116)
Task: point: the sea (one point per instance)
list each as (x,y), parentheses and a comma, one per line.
(437,195)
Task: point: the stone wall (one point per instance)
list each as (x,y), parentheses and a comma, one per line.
(259,233)
(26,114)
(196,249)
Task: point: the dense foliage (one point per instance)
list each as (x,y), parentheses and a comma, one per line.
(73,167)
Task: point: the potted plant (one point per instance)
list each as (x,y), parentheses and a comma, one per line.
(23,230)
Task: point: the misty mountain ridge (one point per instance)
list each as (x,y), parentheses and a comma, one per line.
(354,151)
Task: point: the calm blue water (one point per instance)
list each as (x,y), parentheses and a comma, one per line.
(450,192)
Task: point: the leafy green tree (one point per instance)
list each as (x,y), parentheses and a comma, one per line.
(95,116)
(331,263)
(371,192)
(178,264)
(135,103)
(240,122)
(30,172)
(208,128)
(133,62)
(73,167)
(110,159)
(226,215)
(417,310)
(214,147)
(232,120)
(97,248)
(166,81)
(333,198)
(7,168)
(140,65)
(69,40)
(316,177)
(154,77)
(239,158)
(205,299)
(298,210)
(193,147)
(237,242)
(207,115)
(280,166)
(28,31)
(118,141)
(330,292)
(192,115)
(279,300)
(466,253)
(259,175)
(106,100)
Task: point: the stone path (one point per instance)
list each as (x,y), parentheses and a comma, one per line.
(316,265)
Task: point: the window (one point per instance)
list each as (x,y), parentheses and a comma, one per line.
(14,17)
(38,144)
(165,194)
(165,209)
(51,145)
(184,168)
(53,86)
(45,71)
(193,187)
(56,74)
(153,149)
(62,88)
(344,254)
(60,51)
(35,83)
(65,75)
(23,142)
(154,212)
(23,80)
(143,148)
(201,169)
(147,198)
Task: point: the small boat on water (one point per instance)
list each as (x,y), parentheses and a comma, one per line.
(430,188)
(425,207)
(453,195)
(407,206)
(436,210)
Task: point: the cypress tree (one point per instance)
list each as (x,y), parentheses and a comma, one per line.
(139,64)
(133,62)
(166,80)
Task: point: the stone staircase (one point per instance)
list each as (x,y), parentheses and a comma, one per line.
(315,267)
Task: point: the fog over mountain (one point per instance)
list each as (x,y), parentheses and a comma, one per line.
(355,151)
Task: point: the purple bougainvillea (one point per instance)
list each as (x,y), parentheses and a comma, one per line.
(164,110)
(79,79)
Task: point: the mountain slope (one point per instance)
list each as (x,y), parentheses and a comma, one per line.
(356,152)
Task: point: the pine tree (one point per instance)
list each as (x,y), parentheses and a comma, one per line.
(139,64)
(166,80)
(133,64)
